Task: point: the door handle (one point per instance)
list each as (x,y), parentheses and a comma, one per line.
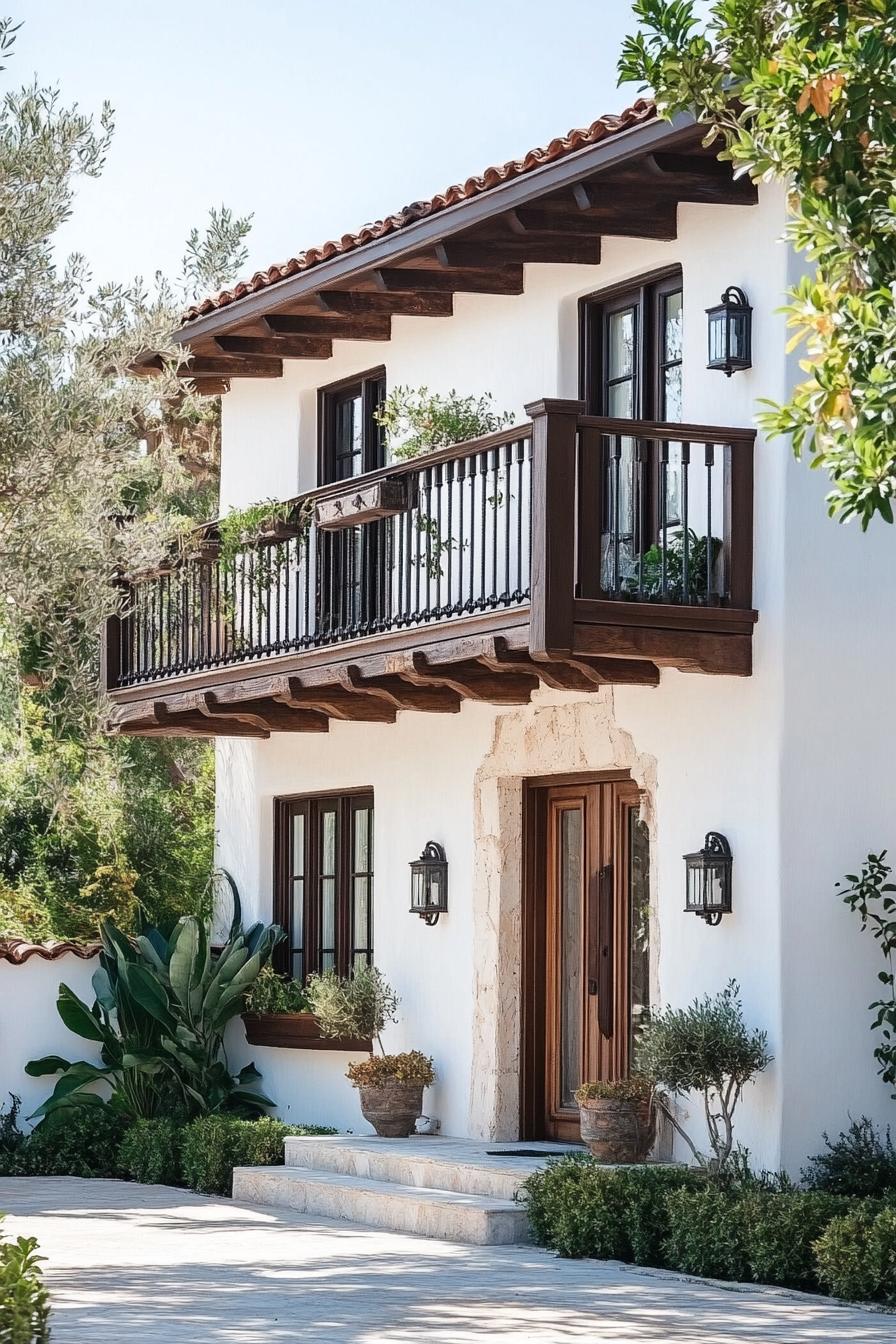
(603,949)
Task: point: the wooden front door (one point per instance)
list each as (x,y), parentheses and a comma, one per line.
(586,961)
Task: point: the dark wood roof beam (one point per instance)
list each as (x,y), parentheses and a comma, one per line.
(225,366)
(699,184)
(563,221)
(283,347)
(374,327)
(514,251)
(624,210)
(396,305)
(500,279)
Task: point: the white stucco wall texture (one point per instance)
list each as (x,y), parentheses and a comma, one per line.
(793,764)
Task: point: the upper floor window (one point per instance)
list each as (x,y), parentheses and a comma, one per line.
(323,894)
(351,441)
(632,352)
(632,370)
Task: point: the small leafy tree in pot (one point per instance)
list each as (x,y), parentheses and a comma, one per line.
(390,1086)
(707,1048)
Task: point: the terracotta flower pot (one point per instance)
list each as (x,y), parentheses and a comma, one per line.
(392,1108)
(618,1131)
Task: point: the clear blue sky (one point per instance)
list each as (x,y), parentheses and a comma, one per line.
(316,117)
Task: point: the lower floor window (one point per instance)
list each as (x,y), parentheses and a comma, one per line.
(323,854)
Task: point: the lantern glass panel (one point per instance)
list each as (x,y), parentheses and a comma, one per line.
(418,888)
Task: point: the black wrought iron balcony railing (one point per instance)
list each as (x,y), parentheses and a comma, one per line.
(454,542)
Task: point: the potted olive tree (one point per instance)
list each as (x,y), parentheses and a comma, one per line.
(390,1086)
(618,1118)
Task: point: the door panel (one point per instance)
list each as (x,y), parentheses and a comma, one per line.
(581,953)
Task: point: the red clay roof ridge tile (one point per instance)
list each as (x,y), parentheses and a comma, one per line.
(610,124)
(20,950)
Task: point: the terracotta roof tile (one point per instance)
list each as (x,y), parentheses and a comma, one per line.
(641,111)
(19,950)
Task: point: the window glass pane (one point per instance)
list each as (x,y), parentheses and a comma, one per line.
(298,844)
(362,832)
(361,938)
(328,914)
(328,843)
(672,392)
(297,932)
(672,321)
(620,343)
(639,906)
(571,953)
(620,400)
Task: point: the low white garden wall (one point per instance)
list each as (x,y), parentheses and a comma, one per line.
(30,1026)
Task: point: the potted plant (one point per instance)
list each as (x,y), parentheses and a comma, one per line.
(390,1086)
(617,1118)
(277,1012)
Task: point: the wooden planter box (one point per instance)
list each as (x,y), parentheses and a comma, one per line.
(296,1031)
(382,499)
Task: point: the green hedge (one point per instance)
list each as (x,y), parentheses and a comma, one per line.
(856,1254)
(80,1141)
(676,1218)
(97,1141)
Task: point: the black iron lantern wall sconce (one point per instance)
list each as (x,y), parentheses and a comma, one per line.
(429,883)
(709,879)
(730,333)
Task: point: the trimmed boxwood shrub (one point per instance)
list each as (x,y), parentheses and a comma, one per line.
(579,1208)
(778,1232)
(150,1152)
(856,1254)
(706,1234)
(214,1144)
(82,1141)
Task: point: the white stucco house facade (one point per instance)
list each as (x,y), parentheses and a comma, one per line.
(564,654)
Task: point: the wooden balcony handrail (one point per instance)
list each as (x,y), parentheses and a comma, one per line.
(404,467)
(668,431)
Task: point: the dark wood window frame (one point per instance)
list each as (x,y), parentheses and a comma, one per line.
(647,294)
(351,945)
(370,386)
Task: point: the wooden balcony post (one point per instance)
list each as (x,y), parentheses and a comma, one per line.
(553,564)
(738,493)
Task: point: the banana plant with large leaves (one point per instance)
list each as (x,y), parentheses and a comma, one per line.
(162,1006)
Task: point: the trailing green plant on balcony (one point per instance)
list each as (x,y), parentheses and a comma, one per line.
(161,1009)
(416,421)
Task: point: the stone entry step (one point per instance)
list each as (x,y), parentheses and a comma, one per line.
(464,1166)
(450,1189)
(443,1214)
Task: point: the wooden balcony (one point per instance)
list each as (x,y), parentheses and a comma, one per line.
(571,551)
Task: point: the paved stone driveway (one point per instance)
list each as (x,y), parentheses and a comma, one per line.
(130,1263)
